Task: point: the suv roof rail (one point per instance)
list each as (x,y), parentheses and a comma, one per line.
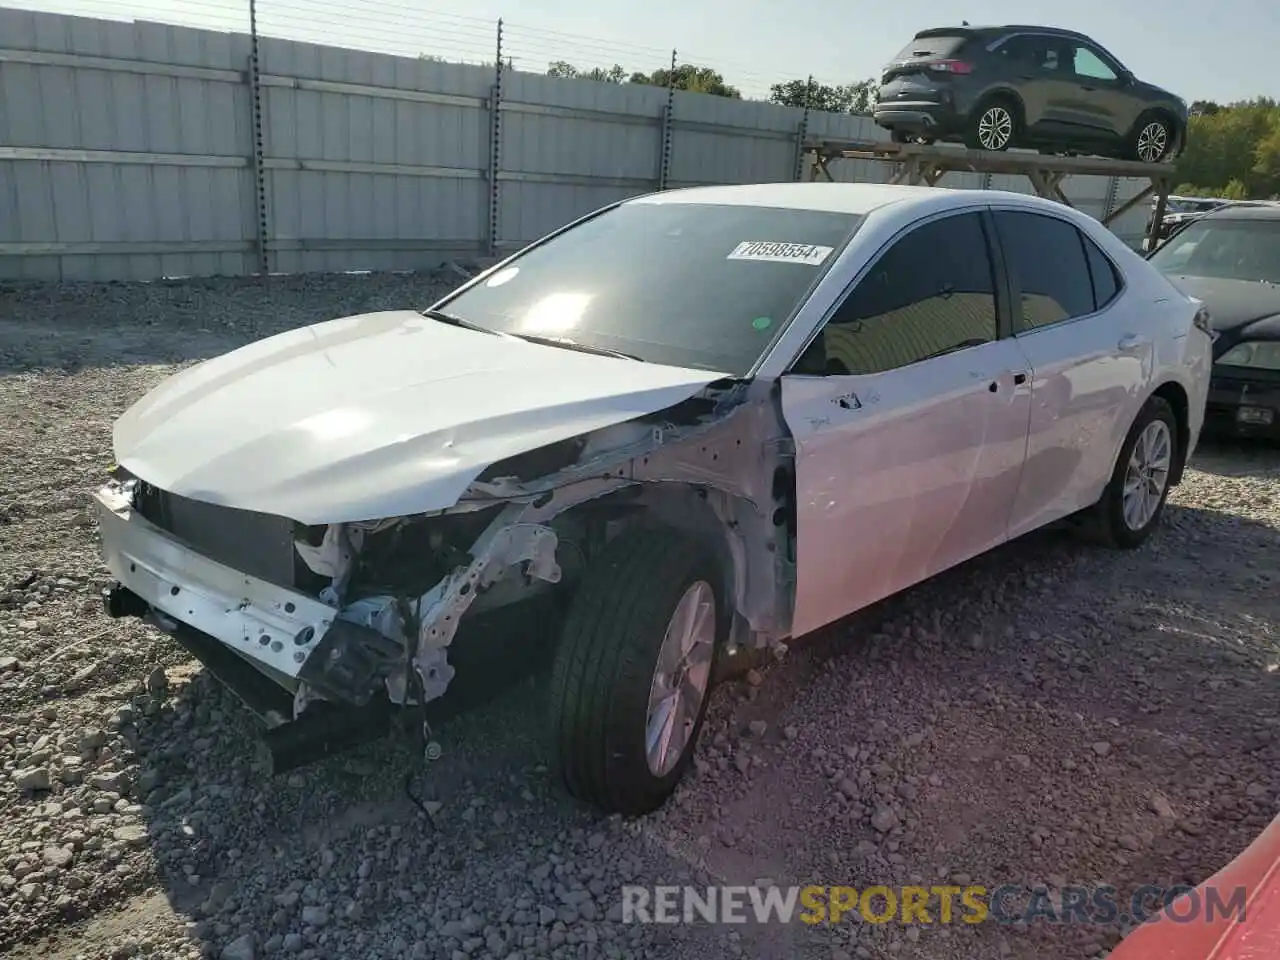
(1039,28)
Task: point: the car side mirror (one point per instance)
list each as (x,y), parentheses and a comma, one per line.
(1126,78)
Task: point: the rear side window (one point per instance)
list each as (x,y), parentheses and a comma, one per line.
(1048,267)
(1106,284)
(931,48)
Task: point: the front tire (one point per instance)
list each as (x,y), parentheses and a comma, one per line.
(1151,140)
(1133,502)
(632,674)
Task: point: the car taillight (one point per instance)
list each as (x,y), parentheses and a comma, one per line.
(950,66)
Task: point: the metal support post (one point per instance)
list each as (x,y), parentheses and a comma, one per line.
(263,232)
(495,146)
(668,114)
(802,132)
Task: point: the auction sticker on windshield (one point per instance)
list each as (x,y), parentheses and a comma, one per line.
(776,252)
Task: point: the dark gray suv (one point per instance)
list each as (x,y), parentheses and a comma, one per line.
(997,87)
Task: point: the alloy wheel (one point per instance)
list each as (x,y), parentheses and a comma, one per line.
(1147,475)
(1153,141)
(995,128)
(680,678)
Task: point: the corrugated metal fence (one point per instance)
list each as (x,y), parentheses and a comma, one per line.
(133,150)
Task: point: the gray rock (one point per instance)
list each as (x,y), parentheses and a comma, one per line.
(134,834)
(315,916)
(112,781)
(58,857)
(884,819)
(32,779)
(241,948)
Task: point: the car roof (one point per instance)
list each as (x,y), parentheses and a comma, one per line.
(853,198)
(1005,28)
(1255,210)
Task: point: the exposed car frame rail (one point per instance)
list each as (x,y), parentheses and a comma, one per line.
(926,164)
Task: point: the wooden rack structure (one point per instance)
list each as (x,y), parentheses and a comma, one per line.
(926,164)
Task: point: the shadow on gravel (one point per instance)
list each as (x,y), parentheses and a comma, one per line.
(76,326)
(1232,457)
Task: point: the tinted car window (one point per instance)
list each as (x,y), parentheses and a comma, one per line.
(1106,284)
(698,285)
(1227,249)
(928,48)
(1089,64)
(1047,265)
(932,292)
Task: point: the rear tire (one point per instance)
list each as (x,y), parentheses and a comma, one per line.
(607,689)
(993,125)
(1132,504)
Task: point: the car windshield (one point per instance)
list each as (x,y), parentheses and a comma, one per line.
(687,284)
(1225,249)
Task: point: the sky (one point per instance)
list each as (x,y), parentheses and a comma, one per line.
(1220,50)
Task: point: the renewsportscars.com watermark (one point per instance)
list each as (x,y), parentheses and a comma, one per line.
(1007,903)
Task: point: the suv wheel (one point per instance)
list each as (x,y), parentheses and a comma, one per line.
(1151,140)
(632,673)
(992,126)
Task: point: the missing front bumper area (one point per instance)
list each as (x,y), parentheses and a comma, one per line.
(322,730)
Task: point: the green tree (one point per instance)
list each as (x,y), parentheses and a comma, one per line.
(566,70)
(847,98)
(1234,147)
(690,77)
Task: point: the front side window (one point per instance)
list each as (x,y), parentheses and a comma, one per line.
(1223,249)
(697,285)
(931,293)
(1091,66)
(1047,265)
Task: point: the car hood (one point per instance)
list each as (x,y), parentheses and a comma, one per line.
(378,415)
(1244,308)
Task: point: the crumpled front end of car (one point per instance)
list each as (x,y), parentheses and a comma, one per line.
(358,617)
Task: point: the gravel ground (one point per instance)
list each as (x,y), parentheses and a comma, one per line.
(1048,713)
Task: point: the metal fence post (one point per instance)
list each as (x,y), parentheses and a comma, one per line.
(1113,194)
(259,173)
(664,166)
(802,132)
(495,146)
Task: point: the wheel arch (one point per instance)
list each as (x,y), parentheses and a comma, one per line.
(1007,95)
(1175,395)
(729,527)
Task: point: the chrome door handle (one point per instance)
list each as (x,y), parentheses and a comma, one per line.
(1129,342)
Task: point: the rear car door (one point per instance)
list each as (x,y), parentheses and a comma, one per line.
(1088,353)
(909,413)
(1037,67)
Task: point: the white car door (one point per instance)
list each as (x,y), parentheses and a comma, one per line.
(1089,355)
(909,413)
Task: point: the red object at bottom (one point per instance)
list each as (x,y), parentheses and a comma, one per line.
(1184,931)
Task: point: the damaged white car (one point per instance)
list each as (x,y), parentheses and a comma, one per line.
(693,422)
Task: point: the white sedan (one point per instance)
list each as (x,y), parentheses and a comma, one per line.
(692,422)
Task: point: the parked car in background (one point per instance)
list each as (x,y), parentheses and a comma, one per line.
(1230,260)
(1178,210)
(1182,210)
(701,421)
(1000,87)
